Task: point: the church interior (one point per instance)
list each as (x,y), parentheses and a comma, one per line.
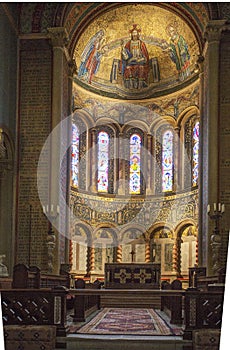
(114,174)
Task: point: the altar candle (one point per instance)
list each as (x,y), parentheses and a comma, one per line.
(193,279)
(208,208)
(214,206)
(219,207)
(222,208)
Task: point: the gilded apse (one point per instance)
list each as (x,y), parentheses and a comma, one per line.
(134,49)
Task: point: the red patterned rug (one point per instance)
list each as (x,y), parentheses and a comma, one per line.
(127,321)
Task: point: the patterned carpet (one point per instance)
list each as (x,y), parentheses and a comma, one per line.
(127,321)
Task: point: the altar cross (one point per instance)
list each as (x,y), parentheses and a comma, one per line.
(132,254)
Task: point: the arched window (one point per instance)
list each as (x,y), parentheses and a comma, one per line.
(135,164)
(103,161)
(75,157)
(167,161)
(195,154)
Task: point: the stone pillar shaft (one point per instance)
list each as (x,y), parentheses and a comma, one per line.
(211,101)
(58,37)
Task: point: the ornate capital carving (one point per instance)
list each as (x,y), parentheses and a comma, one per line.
(59,36)
(213,30)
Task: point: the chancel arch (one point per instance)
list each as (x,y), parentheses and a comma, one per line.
(159,108)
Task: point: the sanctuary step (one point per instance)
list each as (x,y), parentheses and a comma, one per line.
(131,301)
(114,342)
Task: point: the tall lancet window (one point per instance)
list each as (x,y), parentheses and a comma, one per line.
(167,161)
(135,164)
(195,154)
(103,161)
(75,157)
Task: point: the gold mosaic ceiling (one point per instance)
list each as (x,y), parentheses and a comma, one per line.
(153,23)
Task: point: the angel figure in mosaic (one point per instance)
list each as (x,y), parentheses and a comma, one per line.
(91,56)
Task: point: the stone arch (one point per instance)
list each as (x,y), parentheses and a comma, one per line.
(186,248)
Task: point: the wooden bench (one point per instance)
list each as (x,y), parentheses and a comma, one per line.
(84,305)
(172,305)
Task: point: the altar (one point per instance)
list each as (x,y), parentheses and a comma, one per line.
(132,275)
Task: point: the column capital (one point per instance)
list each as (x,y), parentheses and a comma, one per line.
(149,136)
(72,67)
(59,36)
(147,237)
(200,63)
(177,129)
(213,30)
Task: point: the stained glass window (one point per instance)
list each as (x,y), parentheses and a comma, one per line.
(103,161)
(195,154)
(135,164)
(167,161)
(75,156)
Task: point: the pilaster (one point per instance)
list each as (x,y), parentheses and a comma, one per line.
(210,131)
(58,38)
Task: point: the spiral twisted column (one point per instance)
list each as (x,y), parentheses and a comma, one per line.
(175,256)
(71,252)
(197,251)
(119,253)
(147,251)
(92,259)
